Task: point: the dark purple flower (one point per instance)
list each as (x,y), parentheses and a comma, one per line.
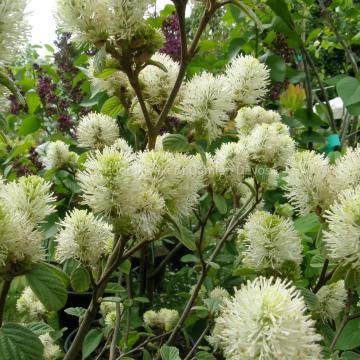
(171,30)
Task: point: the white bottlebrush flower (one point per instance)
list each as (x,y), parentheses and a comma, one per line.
(150,318)
(122,146)
(157,83)
(205,105)
(229,166)
(59,156)
(308,182)
(83,237)
(20,243)
(342,239)
(52,351)
(30,306)
(168,318)
(150,208)
(95,21)
(97,130)
(164,319)
(270,145)
(270,242)
(177,177)
(109,182)
(247,80)
(30,196)
(219,293)
(346,170)
(14,28)
(265,319)
(332,299)
(108,311)
(248,117)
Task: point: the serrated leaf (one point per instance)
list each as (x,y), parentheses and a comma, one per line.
(169,353)
(175,142)
(80,279)
(112,107)
(39,328)
(19,343)
(76,311)
(99,61)
(91,342)
(29,125)
(310,298)
(203,355)
(47,287)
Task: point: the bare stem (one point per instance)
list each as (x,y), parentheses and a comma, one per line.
(198,341)
(3,295)
(236,219)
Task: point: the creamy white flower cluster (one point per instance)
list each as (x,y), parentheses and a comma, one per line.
(29,306)
(108,311)
(52,351)
(263,148)
(24,204)
(97,21)
(164,319)
(333,191)
(14,28)
(209,100)
(269,243)
(58,156)
(266,319)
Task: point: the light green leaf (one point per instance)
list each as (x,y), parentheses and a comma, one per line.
(169,353)
(220,203)
(175,142)
(80,279)
(29,125)
(112,107)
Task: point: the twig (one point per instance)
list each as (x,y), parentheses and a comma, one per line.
(237,218)
(3,295)
(139,347)
(322,278)
(198,341)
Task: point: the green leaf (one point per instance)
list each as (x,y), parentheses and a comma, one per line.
(80,279)
(91,342)
(125,266)
(348,89)
(350,336)
(99,60)
(182,233)
(280,8)
(235,47)
(310,298)
(58,272)
(176,143)
(339,273)
(308,119)
(10,84)
(76,311)
(352,279)
(220,203)
(29,125)
(39,328)
(350,355)
(307,224)
(47,287)
(277,68)
(203,355)
(33,101)
(169,353)
(19,343)
(112,107)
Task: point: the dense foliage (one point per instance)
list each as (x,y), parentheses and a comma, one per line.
(181,187)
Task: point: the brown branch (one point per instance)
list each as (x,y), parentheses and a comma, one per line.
(322,278)
(197,343)
(3,295)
